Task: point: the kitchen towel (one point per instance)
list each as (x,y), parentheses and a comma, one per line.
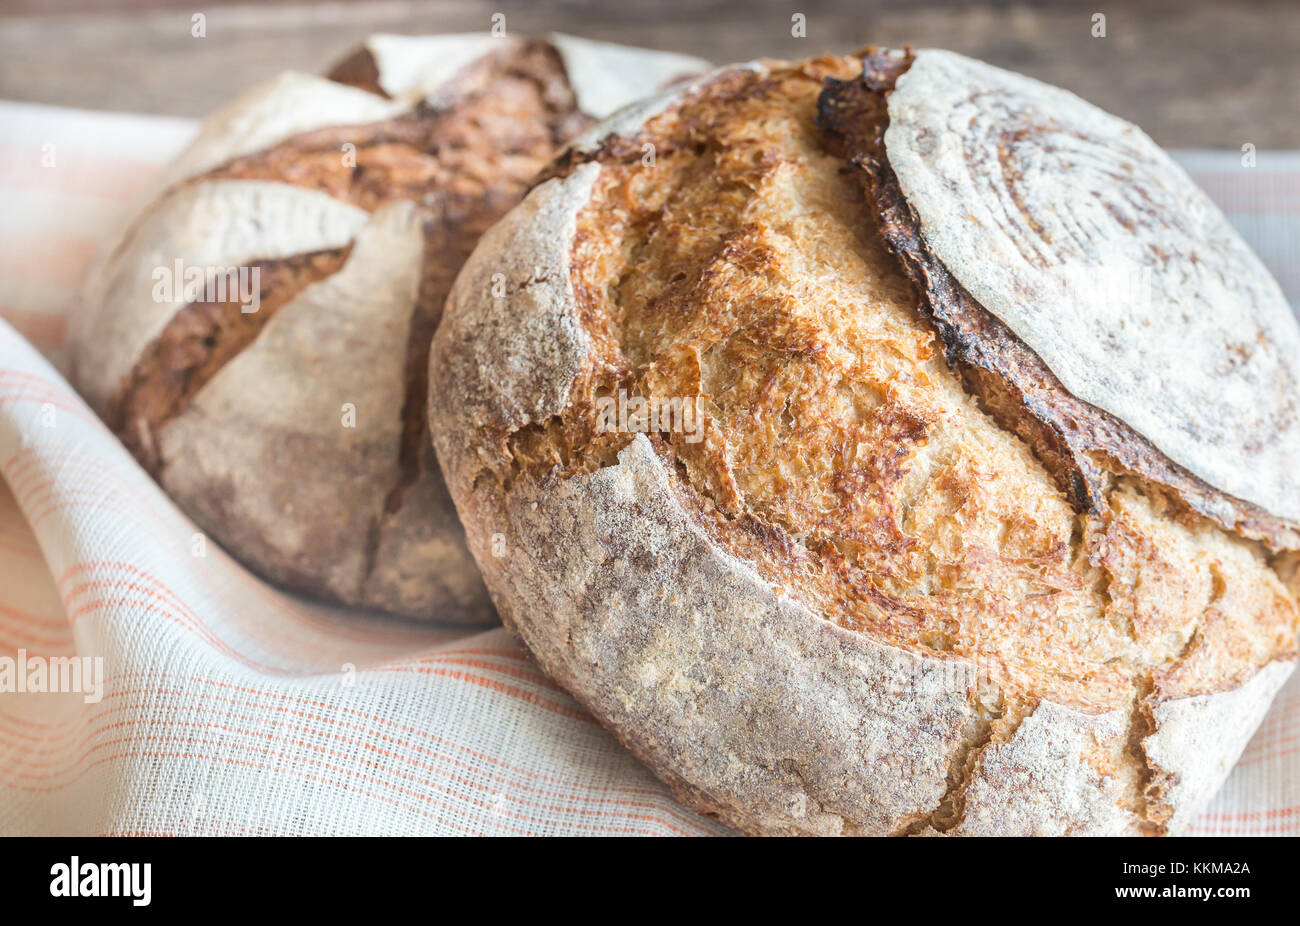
(211,703)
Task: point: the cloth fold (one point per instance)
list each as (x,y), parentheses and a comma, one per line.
(209,702)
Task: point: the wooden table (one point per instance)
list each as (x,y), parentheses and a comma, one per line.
(1203,73)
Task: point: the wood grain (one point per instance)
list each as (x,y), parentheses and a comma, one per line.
(1194,74)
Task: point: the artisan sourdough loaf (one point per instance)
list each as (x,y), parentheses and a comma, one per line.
(885,445)
(284,411)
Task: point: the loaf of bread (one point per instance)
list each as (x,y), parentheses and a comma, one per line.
(259,337)
(887,444)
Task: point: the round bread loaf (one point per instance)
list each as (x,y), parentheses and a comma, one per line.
(280,399)
(885,445)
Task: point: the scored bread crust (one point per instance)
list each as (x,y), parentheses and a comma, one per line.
(729,679)
(296,435)
(1163,316)
(1082,443)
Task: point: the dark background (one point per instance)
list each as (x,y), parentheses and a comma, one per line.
(1198,73)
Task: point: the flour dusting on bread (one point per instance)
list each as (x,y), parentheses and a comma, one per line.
(1076,230)
(861,603)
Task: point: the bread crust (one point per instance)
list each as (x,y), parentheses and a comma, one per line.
(296,434)
(1082,443)
(1165,318)
(707,640)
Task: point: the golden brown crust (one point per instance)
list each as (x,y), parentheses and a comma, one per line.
(870,484)
(734,606)
(1083,446)
(468,164)
(465,164)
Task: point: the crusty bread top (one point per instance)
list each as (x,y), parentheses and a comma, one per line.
(267,114)
(229,224)
(1082,444)
(1085,238)
(841,455)
(459,123)
(862,603)
(413,148)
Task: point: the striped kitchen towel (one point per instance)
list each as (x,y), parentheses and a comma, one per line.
(207,702)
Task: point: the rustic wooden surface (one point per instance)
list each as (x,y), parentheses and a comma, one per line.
(1200,73)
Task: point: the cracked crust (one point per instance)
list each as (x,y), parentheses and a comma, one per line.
(859,604)
(1082,444)
(296,434)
